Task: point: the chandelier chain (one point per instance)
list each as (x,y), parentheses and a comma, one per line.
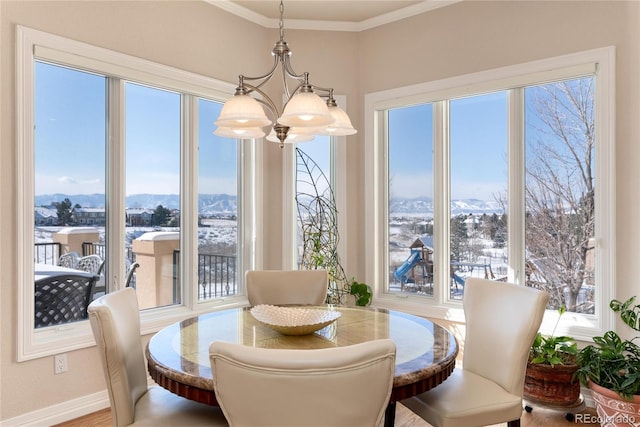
(281,23)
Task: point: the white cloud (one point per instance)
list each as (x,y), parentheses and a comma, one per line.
(50,184)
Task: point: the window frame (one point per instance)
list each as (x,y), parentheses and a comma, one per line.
(600,61)
(32,45)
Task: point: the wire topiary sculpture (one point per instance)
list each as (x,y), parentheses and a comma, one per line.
(318,221)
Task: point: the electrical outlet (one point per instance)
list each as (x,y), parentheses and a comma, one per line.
(59,363)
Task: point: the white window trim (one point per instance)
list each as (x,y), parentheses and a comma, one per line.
(34,44)
(552,69)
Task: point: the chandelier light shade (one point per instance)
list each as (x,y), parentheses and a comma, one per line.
(239,132)
(308,109)
(341,125)
(242,111)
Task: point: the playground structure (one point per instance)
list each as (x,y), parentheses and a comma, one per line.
(416,272)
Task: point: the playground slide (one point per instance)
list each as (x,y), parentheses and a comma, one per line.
(404,268)
(459,280)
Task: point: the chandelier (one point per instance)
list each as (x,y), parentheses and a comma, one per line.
(308,109)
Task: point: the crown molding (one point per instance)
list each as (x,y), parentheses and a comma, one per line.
(306,24)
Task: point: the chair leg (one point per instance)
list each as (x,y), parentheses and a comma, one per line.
(514,423)
(390,415)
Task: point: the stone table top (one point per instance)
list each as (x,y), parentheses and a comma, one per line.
(178,355)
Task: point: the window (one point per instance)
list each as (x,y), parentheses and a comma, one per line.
(123,167)
(560,192)
(218,235)
(506,175)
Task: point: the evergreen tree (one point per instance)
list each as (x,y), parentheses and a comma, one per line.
(160,216)
(63,210)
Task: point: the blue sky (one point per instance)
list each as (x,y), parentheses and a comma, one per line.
(478,148)
(70,131)
(71,138)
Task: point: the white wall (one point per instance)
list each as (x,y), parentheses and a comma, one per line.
(459,39)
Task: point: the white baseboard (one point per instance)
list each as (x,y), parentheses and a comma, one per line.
(60,412)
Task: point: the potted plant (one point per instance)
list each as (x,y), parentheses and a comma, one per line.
(610,367)
(549,378)
(362,293)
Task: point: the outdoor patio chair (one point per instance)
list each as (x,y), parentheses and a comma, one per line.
(130,283)
(90,264)
(62,299)
(69,260)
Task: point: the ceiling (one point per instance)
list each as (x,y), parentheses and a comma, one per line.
(337,15)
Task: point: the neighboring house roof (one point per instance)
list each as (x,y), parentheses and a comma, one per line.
(423,241)
(89,210)
(44,212)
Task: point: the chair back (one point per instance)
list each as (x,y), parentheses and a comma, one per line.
(62,299)
(130,282)
(115,322)
(502,320)
(90,264)
(339,386)
(279,287)
(69,260)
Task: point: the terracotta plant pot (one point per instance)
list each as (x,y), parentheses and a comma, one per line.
(551,385)
(613,411)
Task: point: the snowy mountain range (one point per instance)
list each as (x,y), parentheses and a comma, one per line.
(207,203)
(424,205)
(226,204)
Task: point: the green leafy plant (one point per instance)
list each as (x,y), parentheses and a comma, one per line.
(362,292)
(554,350)
(612,362)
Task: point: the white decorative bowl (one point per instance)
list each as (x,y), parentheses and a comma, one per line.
(294,320)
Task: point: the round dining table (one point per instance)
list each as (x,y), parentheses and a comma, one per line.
(178,355)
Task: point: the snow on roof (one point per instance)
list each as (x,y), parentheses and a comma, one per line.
(423,241)
(46,212)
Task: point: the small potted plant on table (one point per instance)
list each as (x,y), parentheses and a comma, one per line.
(610,367)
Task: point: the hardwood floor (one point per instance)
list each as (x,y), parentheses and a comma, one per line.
(404,418)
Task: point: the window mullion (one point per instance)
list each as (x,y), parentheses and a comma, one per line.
(189,200)
(516,188)
(441,200)
(115,185)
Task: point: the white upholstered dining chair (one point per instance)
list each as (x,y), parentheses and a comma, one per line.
(280,287)
(502,320)
(115,323)
(339,386)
